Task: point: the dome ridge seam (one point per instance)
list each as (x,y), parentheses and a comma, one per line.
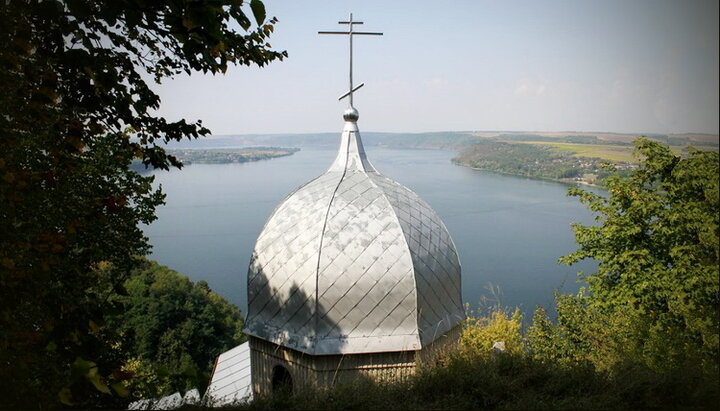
(322,237)
(407,246)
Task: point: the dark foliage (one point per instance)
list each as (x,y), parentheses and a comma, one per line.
(172,329)
(75,113)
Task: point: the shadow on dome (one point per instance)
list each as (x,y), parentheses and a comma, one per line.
(288,315)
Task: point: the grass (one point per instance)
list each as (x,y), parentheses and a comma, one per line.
(602,151)
(475,376)
(468,380)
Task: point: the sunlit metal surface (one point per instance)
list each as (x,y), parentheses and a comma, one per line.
(230,381)
(353,262)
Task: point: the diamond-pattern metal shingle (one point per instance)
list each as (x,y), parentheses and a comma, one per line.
(353,262)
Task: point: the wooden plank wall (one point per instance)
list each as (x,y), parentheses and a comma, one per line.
(325,371)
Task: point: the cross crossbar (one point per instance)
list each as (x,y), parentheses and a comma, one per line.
(350,33)
(353,33)
(351,91)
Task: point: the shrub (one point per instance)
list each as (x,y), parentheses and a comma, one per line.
(479,334)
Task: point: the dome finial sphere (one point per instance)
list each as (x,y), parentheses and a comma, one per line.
(351,114)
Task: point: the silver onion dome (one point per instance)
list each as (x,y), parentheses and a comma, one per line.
(353,262)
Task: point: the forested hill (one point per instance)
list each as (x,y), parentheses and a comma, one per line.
(437,140)
(447,140)
(568,158)
(536,161)
(223,156)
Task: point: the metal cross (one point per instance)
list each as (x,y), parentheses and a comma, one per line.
(350,33)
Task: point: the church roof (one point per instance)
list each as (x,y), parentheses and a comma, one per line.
(230,382)
(353,262)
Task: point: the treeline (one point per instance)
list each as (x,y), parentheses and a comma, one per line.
(434,140)
(578,139)
(171,330)
(529,160)
(224,156)
(590,139)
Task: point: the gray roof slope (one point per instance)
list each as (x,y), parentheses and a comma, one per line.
(230,382)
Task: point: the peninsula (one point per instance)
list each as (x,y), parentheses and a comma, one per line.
(568,158)
(230,155)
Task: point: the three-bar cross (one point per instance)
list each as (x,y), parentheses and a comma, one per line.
(350,33)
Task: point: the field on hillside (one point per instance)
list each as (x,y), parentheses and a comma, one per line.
(602,151)
(695,139)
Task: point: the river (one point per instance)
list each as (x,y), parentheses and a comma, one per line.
(509,231)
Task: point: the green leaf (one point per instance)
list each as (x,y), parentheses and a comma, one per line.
(65,396)
(80,367)
(68,163)
(258,9)
(93,375)
(120,389)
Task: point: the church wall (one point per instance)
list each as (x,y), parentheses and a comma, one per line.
(442,345)
(325,371)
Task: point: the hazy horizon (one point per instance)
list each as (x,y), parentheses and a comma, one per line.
(470,131)
(645,66)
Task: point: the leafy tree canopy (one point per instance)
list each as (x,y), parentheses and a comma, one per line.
(656,288)
(173,330)
(76,111)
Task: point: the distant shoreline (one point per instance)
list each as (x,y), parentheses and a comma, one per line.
(229,156)
(566,182)
(189,156)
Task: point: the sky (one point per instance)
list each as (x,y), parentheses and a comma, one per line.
(628,66)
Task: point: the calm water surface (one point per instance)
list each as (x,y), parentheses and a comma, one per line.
(509,231)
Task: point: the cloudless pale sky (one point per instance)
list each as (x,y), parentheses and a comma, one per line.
(632,66)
